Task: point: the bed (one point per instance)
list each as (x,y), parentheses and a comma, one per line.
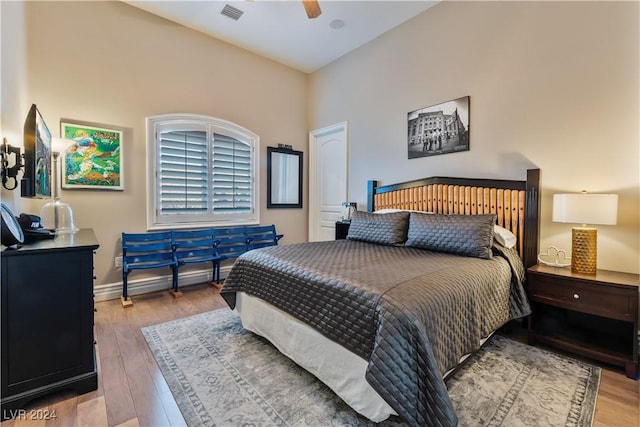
(421,282)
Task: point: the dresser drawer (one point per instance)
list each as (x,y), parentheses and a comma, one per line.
(598,299)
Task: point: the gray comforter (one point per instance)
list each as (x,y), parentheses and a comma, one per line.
(410,313)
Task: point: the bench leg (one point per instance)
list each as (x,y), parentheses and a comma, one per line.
(214,268)
(174,287)
(213,271)
(125,299)
(174,279)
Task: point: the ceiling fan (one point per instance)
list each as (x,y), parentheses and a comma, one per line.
(312,8)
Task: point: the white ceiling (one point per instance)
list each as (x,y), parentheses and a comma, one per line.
(280,29)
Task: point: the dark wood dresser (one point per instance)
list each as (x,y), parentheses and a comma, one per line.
(47,319)
(595,316)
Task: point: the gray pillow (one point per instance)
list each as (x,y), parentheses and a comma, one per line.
(384,229)
(469,235)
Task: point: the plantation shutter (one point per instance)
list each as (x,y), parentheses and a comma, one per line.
(202,172)
(183,172)
(232,175)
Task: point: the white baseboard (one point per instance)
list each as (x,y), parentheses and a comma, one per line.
(109,291)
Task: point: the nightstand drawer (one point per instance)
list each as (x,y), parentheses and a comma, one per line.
(597,299)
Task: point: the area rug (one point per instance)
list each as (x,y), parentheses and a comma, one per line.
(221,374)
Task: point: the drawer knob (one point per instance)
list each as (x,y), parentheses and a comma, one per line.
(576,296)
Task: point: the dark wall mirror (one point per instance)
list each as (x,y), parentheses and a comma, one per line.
(284,178)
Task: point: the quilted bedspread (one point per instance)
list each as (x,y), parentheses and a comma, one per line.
(410,313)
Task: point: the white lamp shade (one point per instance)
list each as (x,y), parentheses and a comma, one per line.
(586,208)
(59,145)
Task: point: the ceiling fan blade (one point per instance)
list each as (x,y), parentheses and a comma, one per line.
(312,7)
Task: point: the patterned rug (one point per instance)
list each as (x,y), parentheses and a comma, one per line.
(221,374)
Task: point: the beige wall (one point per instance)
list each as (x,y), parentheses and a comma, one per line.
(113,64)
(13,92)
(553,85)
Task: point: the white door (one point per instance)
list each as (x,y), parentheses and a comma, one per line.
(327,180)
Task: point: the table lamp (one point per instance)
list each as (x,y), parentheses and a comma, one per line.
(56,214)
(586,209)
(348,208)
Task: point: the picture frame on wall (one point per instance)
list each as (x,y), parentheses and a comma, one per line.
(95,159)
(439,129)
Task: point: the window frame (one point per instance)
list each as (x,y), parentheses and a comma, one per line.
(211,125)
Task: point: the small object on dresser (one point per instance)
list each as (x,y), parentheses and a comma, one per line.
(11,230)
(554,257)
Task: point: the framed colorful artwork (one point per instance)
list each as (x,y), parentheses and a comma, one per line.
(93,160)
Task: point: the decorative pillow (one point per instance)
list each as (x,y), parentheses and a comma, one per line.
(469,235)
(504,236)
(384,229)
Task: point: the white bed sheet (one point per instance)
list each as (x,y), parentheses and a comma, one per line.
(341,370)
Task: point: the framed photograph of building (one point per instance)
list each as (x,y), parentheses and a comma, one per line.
(439,129)
(94,159)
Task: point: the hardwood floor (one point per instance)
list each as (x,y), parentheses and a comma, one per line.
(132,391)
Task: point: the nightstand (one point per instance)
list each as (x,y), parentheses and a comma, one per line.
(591,315)
(342,229)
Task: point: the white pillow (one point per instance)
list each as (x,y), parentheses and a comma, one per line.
(504,236)
(384,211)
(391,210)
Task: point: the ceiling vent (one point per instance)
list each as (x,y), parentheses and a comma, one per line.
(231,12)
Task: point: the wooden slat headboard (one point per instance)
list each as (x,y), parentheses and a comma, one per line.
(515,203)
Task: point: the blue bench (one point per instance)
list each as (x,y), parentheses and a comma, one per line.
(192,247)
(235,241)
(262,236)
(177,248)
(144,251)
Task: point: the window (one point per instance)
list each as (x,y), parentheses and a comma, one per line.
(202,172)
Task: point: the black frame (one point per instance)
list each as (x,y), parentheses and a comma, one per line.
(270,203)
(447,122)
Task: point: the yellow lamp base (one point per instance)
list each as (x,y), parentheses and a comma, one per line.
(584,250)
